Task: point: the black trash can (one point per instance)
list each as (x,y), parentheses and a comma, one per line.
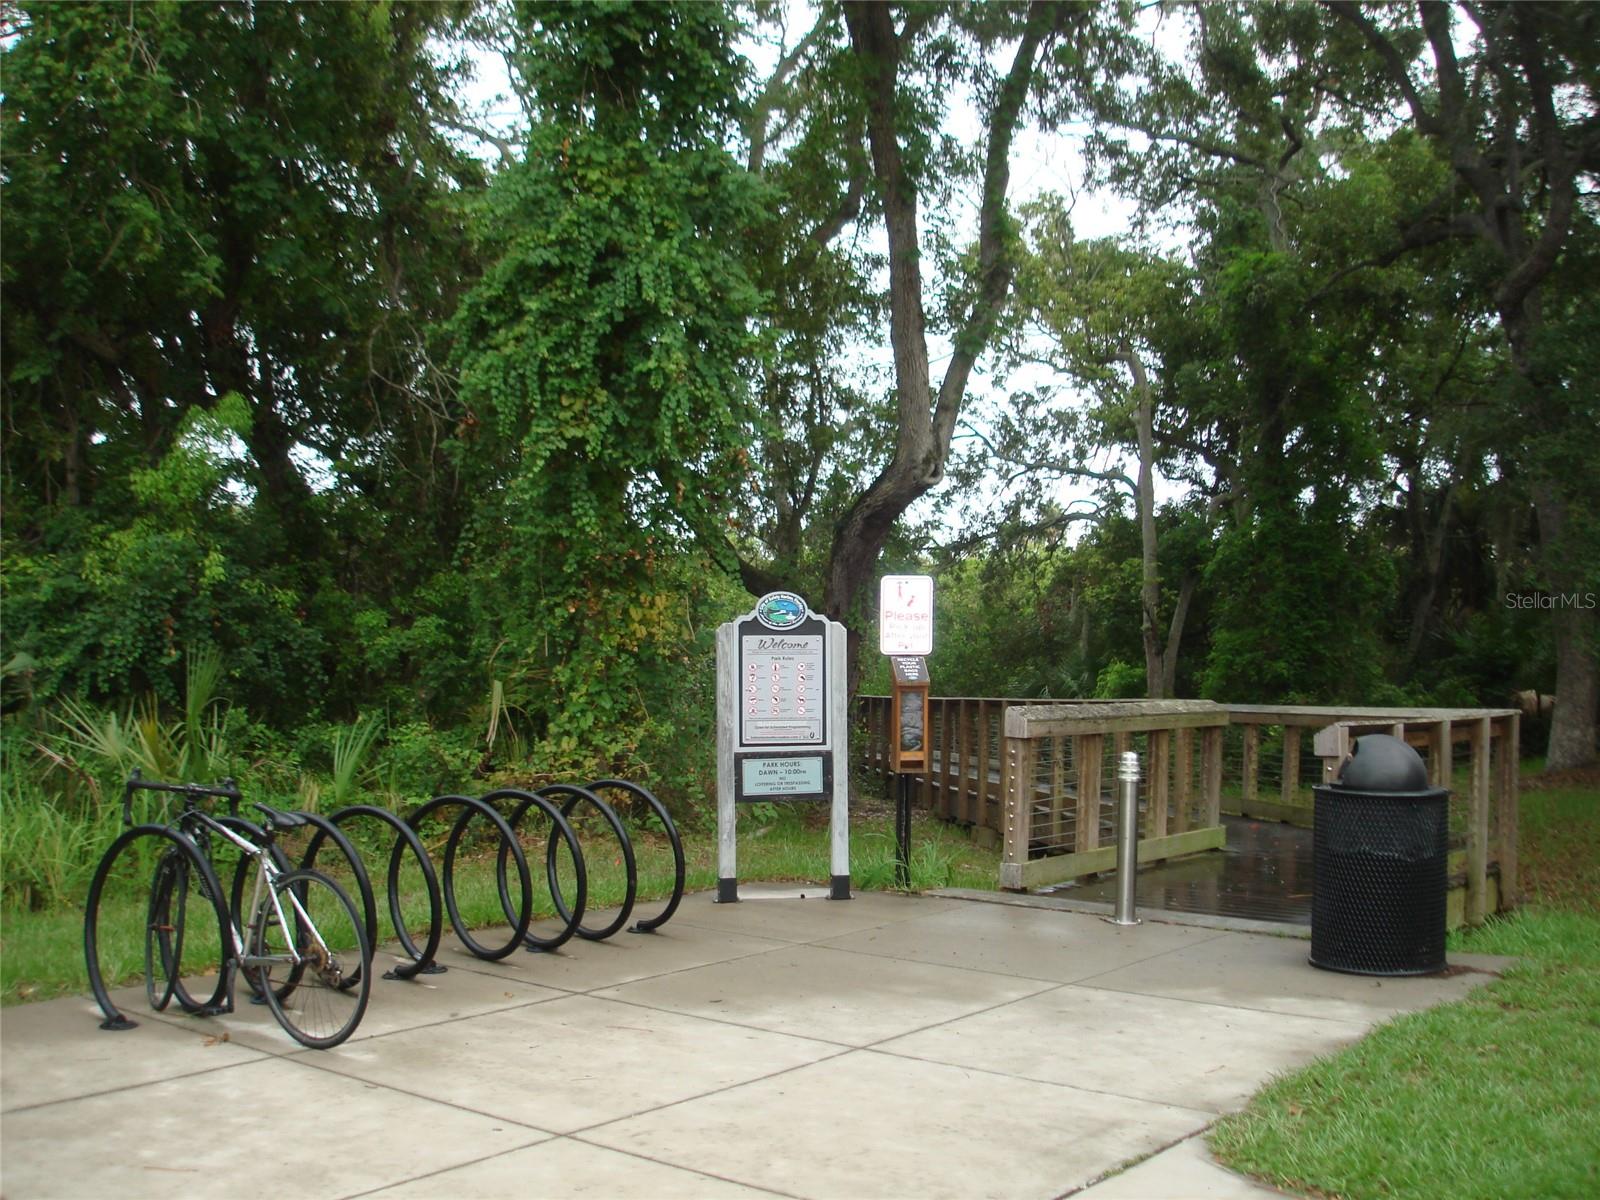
(1380,851)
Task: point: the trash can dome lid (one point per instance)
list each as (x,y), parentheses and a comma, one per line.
(1380,762)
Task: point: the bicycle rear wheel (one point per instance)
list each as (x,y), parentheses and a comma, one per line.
(309,949)
(175,883)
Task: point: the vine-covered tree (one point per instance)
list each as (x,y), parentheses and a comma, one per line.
(607,349)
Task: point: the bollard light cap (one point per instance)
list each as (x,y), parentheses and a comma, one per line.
(1128,768)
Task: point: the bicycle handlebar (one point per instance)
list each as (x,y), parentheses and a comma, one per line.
(228,790)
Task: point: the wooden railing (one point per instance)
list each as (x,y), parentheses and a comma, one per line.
(1254,761)
(962,781)
(1061,814)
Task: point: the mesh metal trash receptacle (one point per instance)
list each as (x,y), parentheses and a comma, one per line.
(1380,851)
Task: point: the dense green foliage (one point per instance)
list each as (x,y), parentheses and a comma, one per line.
(606,348)
(473,456)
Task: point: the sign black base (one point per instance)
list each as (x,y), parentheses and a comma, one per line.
(728,889)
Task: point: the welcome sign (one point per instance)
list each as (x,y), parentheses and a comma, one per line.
(781,727)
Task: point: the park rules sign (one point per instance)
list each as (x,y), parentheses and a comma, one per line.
(782,732)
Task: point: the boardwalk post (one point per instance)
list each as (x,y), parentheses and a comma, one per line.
(1250,763)
(1160,743)
(1509,747)
(1211,774)
(1478,824)
(1289,789)
(980,799)
(1086,755)
(1183,768)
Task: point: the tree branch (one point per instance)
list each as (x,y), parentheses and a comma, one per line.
(1419,234)
(1559,173)
(1354,12)
(995,267)
(848,210)
(1048,525)
(756,129)
(508,155)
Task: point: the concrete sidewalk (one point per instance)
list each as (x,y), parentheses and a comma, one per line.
(882,1047)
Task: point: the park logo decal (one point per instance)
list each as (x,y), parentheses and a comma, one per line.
(780,610)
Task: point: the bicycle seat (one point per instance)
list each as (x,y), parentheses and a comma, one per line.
(277,819)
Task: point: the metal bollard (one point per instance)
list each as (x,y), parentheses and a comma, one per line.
(1127,839)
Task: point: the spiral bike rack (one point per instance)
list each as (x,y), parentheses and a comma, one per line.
(422,957)
(670,827)
(557,802)
(521,917)
(561,828)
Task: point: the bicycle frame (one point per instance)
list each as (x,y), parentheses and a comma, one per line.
(267,873)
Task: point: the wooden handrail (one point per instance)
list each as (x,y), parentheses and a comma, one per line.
(973,775)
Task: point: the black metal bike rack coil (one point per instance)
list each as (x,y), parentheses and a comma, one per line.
(630,870)
(324,830)
(406,839)
(671,829)
(197,861)
(561,828)
(522,917)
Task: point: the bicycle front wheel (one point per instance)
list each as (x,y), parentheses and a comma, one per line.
(309,949)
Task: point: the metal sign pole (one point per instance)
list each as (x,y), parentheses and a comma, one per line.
(902,832)
(905,635)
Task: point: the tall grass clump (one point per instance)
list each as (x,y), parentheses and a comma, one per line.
(194,747)
(47,849)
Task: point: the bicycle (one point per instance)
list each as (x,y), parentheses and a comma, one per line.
(304,952)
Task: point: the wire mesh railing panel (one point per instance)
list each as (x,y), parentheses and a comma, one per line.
(1072,795)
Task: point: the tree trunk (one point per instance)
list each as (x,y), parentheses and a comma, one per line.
(1572,726)
(1155,671)
(925,423)
(1180,616)
(1428,547)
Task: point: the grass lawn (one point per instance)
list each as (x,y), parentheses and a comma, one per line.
(1494,1096)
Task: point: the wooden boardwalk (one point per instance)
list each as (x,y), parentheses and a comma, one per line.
(1263,874)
